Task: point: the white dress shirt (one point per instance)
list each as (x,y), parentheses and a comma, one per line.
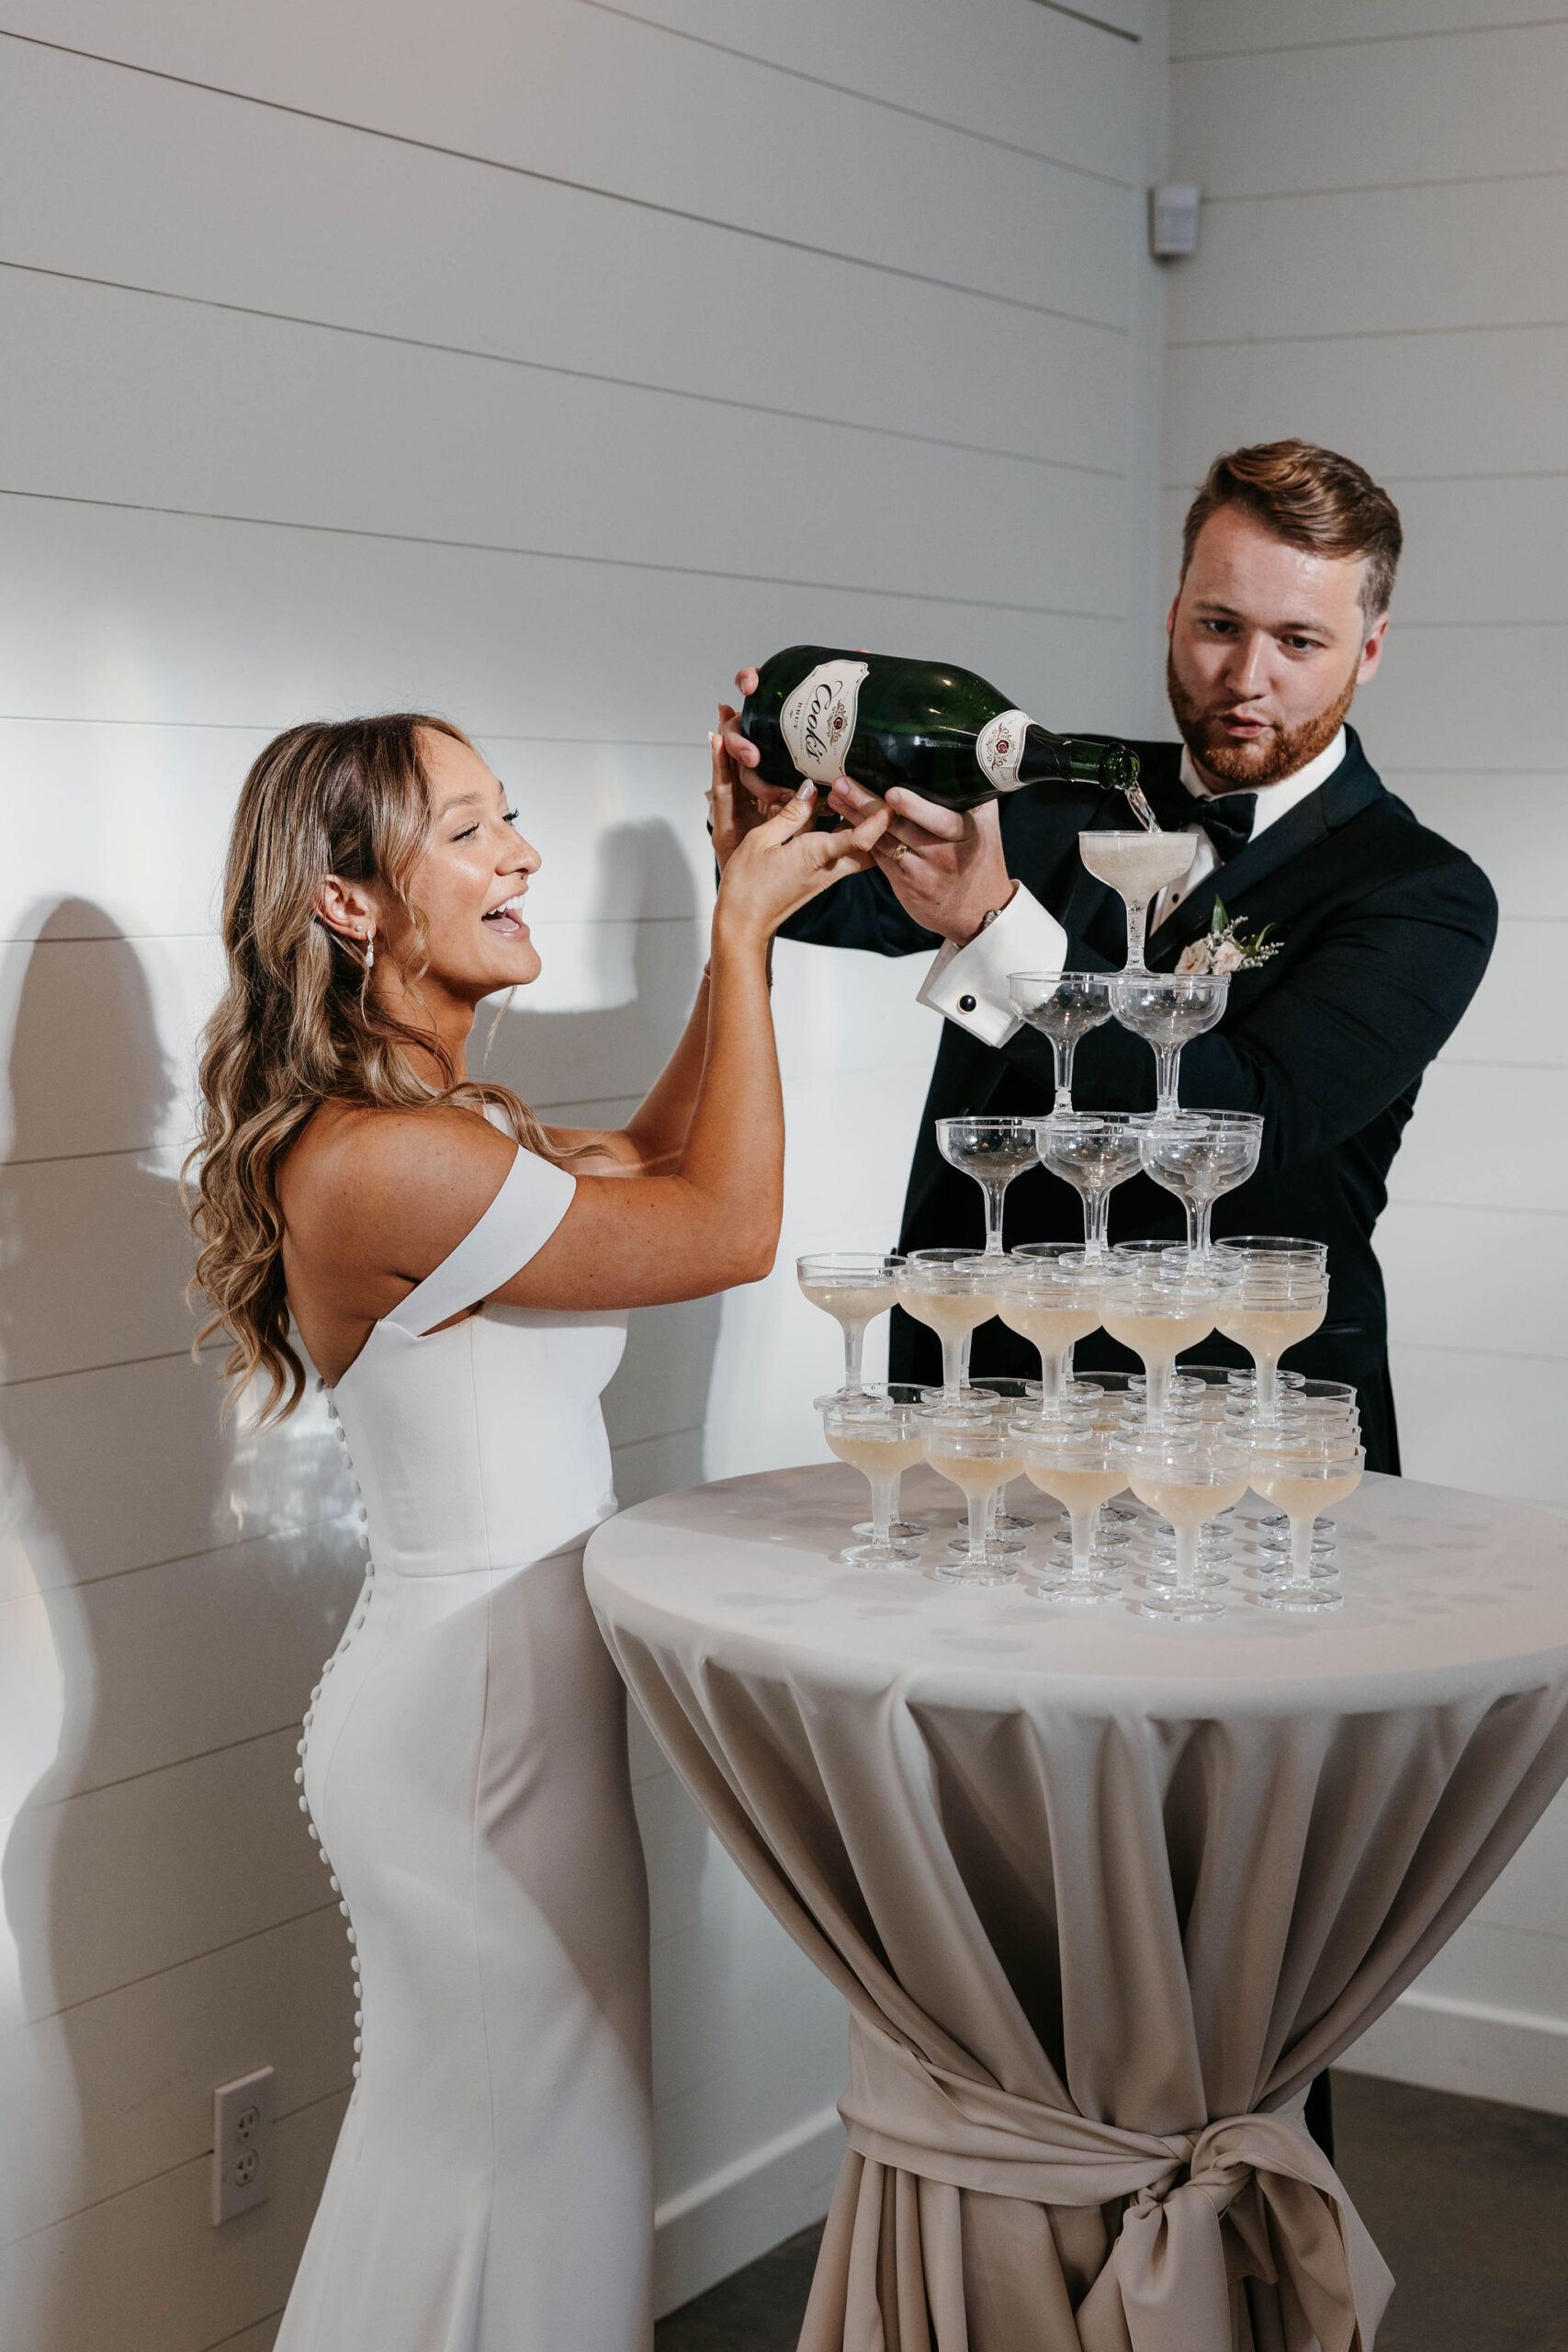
(969,985)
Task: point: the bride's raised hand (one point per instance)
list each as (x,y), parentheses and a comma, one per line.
(776,866)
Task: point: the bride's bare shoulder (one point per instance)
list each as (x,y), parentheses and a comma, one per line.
(376,1179)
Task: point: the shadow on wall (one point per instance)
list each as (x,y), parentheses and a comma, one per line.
(138,1569)
(591,1067)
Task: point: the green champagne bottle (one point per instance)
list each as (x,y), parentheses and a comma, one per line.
(939,731)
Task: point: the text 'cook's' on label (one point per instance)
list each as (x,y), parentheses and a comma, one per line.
(999,747)
(817,721)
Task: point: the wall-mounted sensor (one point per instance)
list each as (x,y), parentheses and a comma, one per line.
(1173,220)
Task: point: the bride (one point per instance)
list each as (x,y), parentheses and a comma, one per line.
(455,1276)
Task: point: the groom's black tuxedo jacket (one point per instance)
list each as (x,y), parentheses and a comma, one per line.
(1384,931)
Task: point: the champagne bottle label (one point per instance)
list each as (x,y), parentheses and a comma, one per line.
(818,722)
(999,747)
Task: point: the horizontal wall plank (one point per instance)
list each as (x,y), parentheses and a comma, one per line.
(1467,698)
(147,2272)
(1485,1138)
(1514,1015)
(1486,403)
(101,1037)
(80,1505)
(150,1669)
(1203,28)
(1502,1968)
(1516,827)
(111,1887)
(121,616)
(124,179)
(1491,1423)
(211,413)
(1424,258)
(1472,1278)
(1384,112)
(662,1466)
(1040,79)
(1486,551)
(118,2089)
(571,93)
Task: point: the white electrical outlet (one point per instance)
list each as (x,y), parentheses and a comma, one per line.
(242,2145)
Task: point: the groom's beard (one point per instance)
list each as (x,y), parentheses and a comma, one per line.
(1268,758)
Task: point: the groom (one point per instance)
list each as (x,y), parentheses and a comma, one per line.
(1382,929)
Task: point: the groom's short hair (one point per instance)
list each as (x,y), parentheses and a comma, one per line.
(1310,498)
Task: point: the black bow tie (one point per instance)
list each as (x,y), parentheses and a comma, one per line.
(1226,820)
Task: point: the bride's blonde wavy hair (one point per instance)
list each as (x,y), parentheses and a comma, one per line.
(297,1024)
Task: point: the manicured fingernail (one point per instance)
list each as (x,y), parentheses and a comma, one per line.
(807,791)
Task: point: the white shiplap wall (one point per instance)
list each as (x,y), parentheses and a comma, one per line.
(1383,267)
(534,363)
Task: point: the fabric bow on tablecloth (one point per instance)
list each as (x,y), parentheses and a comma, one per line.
(1250,2196)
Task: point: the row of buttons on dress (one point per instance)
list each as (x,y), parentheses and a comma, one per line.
(302,1748)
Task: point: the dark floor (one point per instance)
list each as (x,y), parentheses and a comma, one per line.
(1468,2201)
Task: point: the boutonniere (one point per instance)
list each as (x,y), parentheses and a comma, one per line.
(1228,948)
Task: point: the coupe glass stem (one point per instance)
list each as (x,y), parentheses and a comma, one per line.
(995,1195)
(1300,1547)
(1096,1223)
(952,1368)
(854,1345)
(1265,1371)
(1137,925)
(1186,1561)
(1169,1061)
(1063,1055)
(978,1505)
(1157,1373)
(1083,1539)
(883,1497)
(1050,1386)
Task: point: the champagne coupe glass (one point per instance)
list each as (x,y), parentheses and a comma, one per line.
(1053,1303)
(1137,866)
(947,1290)
(1007,1398)
(903,1530)
(1199,1155)
(1064,1006)
(1188,1481)
(1304,1478)
(1276,1303)
(1076,1468)
(993,1151)
(1166,1010)
(1159,1313)
(854,1287)
(980,1457)
(882,1438)
(1093,1151)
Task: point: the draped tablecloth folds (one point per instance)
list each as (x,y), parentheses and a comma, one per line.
(1102,1894)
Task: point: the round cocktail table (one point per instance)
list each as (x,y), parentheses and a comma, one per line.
(1103,1894)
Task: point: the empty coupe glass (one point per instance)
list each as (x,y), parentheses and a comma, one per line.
(854,1287)
(1137,866)
(1166,1010)
(1093,1151)
(993,1151)
(881,1438)
(1064,1006)
(1199,1155)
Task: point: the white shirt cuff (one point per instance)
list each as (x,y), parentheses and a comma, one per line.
(969,985)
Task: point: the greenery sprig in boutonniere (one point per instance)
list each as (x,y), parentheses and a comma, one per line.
(1228,948)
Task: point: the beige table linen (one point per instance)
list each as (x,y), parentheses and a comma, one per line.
(1102,1894)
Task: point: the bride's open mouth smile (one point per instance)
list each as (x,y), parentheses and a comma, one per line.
(507,918)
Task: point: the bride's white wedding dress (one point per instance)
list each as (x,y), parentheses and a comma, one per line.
(464,1771)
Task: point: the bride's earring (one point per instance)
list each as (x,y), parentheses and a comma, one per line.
(369,951)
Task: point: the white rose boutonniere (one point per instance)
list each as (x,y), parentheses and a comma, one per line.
(1226,948)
